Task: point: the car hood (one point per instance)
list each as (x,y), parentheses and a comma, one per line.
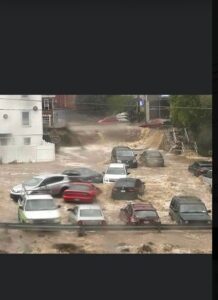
(195,216)
(19,188)
(42,214)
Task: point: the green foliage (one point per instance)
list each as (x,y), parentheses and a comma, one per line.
(119,103)
(194,112)
(104,104)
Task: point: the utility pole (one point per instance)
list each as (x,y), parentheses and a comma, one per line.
(147,108)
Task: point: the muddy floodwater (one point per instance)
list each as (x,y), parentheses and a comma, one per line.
(161,185)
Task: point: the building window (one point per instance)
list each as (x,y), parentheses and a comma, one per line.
(25,118)
(46,104)
(27,141)
(46,120)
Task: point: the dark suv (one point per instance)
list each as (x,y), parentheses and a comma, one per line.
(200,167)
(128,189)
(189,210)
(152,158)
(125,155)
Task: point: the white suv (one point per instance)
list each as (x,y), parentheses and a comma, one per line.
(114,172)
(38,209)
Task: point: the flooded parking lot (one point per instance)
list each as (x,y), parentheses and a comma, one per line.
(161,185)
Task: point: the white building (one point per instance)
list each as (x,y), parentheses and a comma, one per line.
(21,130)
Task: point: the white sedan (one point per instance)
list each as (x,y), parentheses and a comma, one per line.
(114,172)
(87,215)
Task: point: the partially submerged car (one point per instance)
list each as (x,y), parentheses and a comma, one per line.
(87,215)
(151,158)
(114,172)
(81,192)
(128,189)
(207,178)
(84,174)
(56,184)
(139,214)
(125,155)
(38,209)
(200,167)
(156,123)
(189,210)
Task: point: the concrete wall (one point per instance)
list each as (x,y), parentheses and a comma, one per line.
(44,152)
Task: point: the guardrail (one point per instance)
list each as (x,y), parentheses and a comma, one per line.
(69,227)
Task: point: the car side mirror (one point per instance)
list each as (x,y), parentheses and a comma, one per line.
(209,211)
(20,203)
(128,173)
(58,206)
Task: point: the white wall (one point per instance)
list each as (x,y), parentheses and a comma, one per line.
(13,106)
(38,150)
(27,154)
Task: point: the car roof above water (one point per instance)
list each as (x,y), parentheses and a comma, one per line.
(202,162)
(122,148)
(187,199)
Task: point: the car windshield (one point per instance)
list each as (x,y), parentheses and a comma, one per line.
(79,187)
(124,153)
(90,213)
(40,204)
(33,182)
(193,208)
(145,214)
(116,171)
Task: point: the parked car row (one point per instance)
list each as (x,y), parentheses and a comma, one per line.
(42,209)
(37,205)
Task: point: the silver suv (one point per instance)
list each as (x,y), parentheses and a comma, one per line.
(54,184)
(38,209)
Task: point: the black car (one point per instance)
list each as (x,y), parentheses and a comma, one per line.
(200,167)
(189,210)
(84,174)
(152,158)
(128,189)
(125,155)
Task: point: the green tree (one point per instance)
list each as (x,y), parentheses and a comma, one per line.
(194,112)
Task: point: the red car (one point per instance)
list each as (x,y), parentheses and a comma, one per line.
(81,192)
(155,123)
(139,214)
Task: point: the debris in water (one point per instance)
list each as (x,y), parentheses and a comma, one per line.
(145,248)
(68,248)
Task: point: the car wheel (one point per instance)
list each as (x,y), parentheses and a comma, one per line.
(62,191)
